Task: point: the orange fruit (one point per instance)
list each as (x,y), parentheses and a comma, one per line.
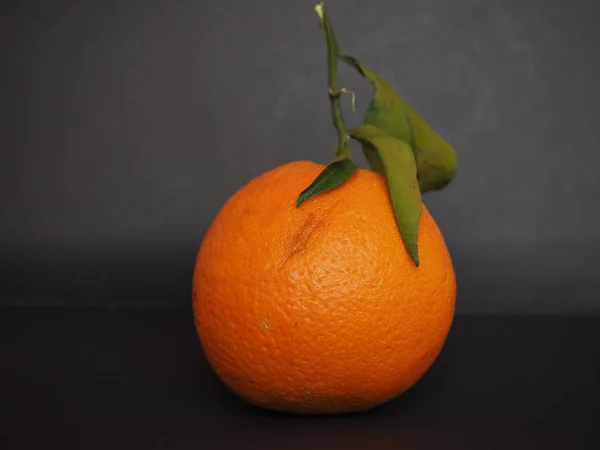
(319,309)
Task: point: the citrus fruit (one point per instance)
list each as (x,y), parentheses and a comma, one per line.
(319,309)
(329,289)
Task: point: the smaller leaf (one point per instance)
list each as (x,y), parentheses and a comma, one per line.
(395,160)
(335,174)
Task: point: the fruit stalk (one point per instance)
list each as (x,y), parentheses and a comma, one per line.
(333,54)
(342,167)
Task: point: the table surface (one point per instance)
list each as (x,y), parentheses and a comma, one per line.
(136,378)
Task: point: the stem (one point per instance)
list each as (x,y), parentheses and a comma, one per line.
(333,53)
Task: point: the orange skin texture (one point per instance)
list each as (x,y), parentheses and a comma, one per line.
(319,309)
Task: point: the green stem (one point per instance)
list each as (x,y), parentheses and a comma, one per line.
(333,54)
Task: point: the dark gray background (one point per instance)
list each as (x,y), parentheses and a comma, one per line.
(125,125)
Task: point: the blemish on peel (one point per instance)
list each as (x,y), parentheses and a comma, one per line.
(265,324)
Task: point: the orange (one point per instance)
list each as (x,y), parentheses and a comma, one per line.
(319,309)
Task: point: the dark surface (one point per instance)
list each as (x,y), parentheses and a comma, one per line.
(125,125)
(114,378)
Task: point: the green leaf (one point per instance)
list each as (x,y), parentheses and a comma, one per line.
(386,111)
(334,175)
(436,159)
(395,160)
